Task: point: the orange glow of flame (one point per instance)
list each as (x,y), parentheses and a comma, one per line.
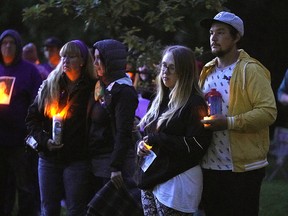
(147,146)
(131,75)
(207,118)
(4,98)
(53,111)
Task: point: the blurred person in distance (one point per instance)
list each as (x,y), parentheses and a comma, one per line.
(30,54)
(52,46)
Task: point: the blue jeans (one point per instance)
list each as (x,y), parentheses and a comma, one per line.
(71,181)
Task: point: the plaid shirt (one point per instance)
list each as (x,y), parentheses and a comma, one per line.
(110,201)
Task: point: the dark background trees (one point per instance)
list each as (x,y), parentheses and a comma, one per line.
(147,26)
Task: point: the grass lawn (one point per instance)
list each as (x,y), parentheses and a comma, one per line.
(274,198)
(274,193)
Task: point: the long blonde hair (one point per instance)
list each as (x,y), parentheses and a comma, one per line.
(187,84)
(49,93)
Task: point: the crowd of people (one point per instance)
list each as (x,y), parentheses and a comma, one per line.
(188,161)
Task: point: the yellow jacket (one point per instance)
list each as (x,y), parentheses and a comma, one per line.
(252,109)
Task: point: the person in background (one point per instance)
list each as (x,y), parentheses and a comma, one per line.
(64,166)
(282,97)
(282,93)
(130,70)
(172,184)
(52,46)
(21,81)
(146,82)
(145,87)
(30,54)
(111,116)
(234,165)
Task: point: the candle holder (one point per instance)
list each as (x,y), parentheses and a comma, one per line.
(57,125)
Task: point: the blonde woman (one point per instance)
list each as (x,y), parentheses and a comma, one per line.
(63,167)
(172,184)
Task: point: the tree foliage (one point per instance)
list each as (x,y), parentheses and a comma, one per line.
(144,26)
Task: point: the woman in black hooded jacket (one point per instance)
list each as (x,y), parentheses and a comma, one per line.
(111,114)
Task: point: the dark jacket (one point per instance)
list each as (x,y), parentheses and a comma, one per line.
(111,121)
(180,145)
(74,132)
(23,81)
(111,124)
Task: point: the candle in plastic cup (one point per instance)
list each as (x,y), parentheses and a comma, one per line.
(57,129)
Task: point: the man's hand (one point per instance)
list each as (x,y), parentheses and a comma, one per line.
(216,122)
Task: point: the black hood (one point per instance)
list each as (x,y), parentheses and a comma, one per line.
(113,54)
(18,42)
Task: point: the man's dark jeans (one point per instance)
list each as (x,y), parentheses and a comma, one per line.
(226,193)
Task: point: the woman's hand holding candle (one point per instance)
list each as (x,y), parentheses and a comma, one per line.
(143,149)
(52,146)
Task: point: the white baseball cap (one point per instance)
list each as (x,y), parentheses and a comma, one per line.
(227,18)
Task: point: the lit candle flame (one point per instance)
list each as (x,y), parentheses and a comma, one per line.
(206,118)
(147,146)
(52,111)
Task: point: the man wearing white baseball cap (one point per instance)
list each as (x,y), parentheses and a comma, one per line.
(228,18)
(234,165)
